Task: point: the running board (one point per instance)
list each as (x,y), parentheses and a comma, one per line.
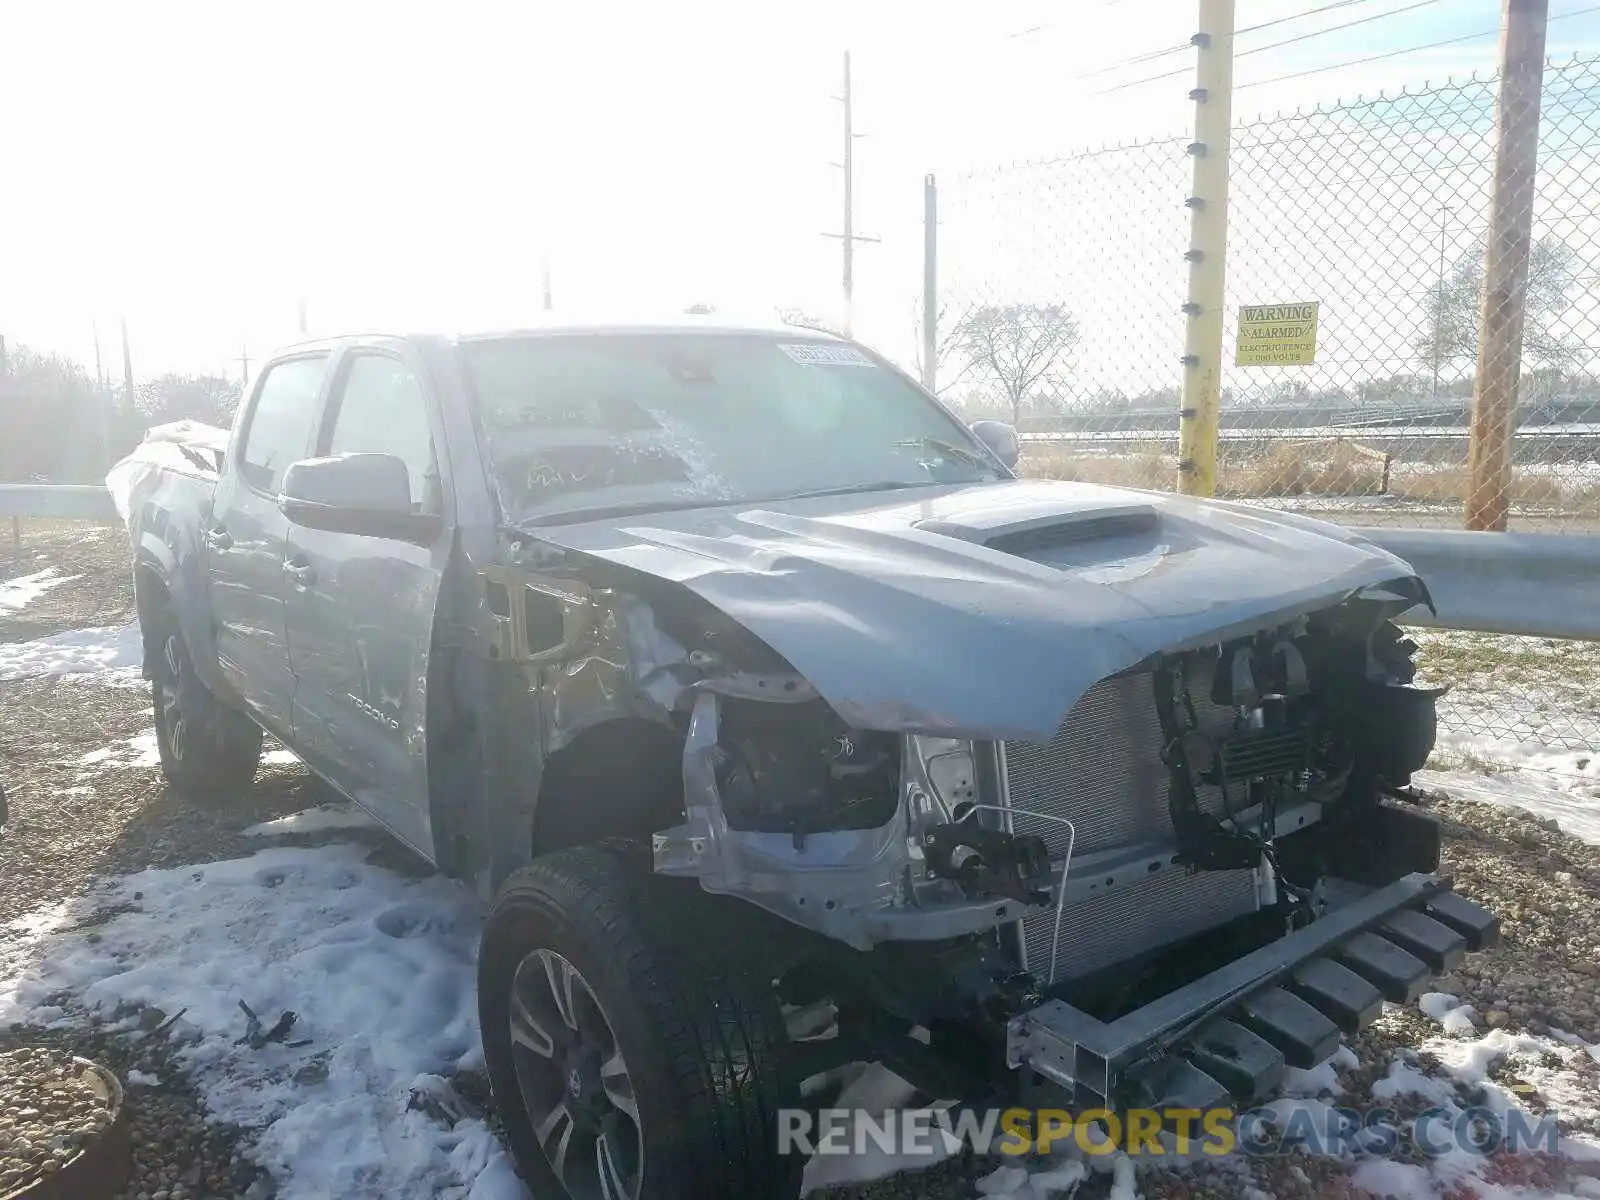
(1232,1033)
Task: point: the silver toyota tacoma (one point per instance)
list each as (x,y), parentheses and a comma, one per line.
(737,672)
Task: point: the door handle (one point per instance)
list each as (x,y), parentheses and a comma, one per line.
(303,573)
(218,538)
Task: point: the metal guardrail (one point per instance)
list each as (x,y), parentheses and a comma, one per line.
(1537,584)
(57,501)
(1545,585)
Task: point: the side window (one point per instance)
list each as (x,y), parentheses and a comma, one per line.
(279,426)
(381,410)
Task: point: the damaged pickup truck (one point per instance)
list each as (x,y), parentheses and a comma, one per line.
(737,672)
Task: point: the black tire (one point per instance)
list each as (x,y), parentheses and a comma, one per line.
(207,749)
(704,1044)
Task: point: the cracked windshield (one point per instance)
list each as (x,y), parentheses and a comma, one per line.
(593,424)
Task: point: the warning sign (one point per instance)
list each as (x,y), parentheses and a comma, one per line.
(1277,335)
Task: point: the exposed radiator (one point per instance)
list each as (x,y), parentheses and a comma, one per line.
(1103,771)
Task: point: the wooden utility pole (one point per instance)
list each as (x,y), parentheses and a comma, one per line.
(1505,263)
(849,237)
(127,367)
(102,397)
(1200,410)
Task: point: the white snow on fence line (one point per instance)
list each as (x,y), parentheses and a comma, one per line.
(379,969)
(313,820)
(16,594)
(103,654)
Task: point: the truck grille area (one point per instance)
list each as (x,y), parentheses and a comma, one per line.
(1153,912)
(1103,771)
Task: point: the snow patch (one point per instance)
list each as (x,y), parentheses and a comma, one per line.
(16,594)
(312,820)
(1397,1180)
(1456,1017)
(142,1079)
(141,750)
(379,969)
(883,1095)
(1403,1079)
(105,654)
(1563,786)
(1321,1080)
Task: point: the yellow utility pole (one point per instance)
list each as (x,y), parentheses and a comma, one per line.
(1208,249)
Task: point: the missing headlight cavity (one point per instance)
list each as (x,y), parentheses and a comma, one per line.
(797,768)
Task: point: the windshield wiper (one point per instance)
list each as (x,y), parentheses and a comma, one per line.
(949,449)
(598,512)
(881,485)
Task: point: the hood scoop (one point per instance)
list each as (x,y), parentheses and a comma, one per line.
(1033,535)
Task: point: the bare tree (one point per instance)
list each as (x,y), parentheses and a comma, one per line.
(1017,345)
(1450,323)
(50,412)
(951,362)
(208,398)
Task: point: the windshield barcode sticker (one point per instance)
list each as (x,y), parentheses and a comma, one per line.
(820,354)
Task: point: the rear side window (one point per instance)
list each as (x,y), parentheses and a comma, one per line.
(279,429)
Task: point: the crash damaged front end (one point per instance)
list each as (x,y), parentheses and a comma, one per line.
(1209,871)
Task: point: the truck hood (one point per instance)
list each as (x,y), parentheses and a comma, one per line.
(988,610)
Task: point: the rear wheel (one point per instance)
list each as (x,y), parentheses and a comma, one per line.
(206,748)
(625,1063)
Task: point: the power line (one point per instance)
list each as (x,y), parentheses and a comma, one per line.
(1304,37)
(1310,12)
(1180,47)
(1357,62)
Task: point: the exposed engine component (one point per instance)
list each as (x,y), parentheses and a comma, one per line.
(797,768)
(988,862)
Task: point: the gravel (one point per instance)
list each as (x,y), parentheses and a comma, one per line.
(50,1109)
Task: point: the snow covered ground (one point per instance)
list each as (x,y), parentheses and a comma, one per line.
(109,655)
(1520,724)
(16,594)
(378,969)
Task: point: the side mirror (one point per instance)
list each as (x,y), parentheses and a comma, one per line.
(367,494)
(1001,439)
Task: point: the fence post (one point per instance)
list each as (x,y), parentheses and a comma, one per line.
(1505,264)
(930,284)
(1207,254)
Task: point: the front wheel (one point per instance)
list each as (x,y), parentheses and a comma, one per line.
(625,1064)
(206,748)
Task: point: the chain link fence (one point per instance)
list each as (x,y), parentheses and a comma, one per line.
(1059,309)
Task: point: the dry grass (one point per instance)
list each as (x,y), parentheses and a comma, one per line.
(1138,467)
(1301,469)
(1331,468)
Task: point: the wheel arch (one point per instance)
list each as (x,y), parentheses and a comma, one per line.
(620,778)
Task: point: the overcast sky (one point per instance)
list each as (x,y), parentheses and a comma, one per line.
(200,166)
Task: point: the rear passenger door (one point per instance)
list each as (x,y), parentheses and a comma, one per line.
(244,538)
(361,608)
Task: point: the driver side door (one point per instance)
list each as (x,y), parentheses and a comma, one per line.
(361,607)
